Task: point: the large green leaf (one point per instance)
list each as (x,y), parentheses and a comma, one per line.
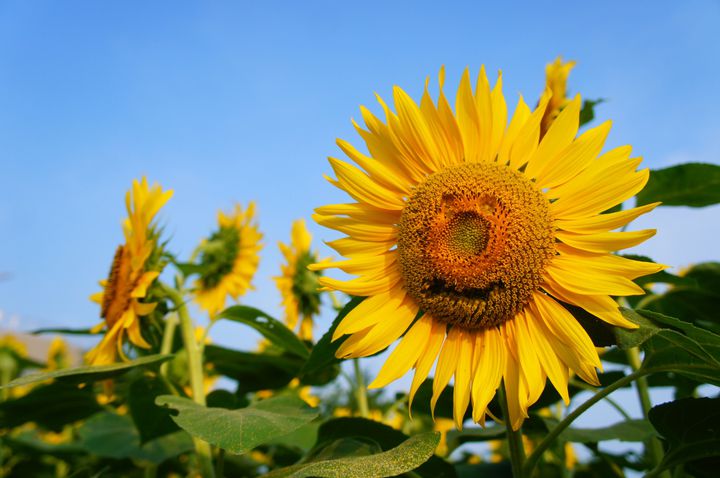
(109,435)
(385,436)
(690,428)
(406,457)
(689,184)
(241,430)
(322,367)
(52,406)
(90,373)
(270,328)
(254,371)
(630,431)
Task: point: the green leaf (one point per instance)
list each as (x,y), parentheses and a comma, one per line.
(150,420)
(629,431)
(695,299)
(51,406)
(109,435)
(690,428)
(270,328)
(254,371)
(64,331)
(587,113)
(629,338)
(385,436)
(188,268)
(684,349)
(90,373)
(407,456)
(241,430)
(322,356)
(689,184)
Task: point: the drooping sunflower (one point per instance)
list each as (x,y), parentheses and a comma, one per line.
(556,76)
(131,274)
(298,285)
(228,259)
(468,235)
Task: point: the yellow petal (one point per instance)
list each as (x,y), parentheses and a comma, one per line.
(491,352)
(406,354)
(427,359)
(358,185)
(560,136)
(447,363)
(604,222)
(605,241)
(463,377)
(574,159)
(369,312)
(379,336)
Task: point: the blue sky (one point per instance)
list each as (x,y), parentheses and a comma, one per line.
(231,101)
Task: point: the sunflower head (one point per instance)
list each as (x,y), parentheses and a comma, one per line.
(228,259)
(134,268)
(298,285)
(468,235)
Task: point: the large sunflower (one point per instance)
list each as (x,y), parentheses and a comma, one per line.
(468,235)
(131,273)
(228,259)
(298,285)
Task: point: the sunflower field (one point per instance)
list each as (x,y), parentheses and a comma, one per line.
(481,242)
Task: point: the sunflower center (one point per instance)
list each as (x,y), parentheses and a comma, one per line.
(217,257)
(305,285)
(473,243)
(119,287)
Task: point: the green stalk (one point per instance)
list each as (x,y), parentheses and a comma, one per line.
(655,449)
(534,457)
(514,437)
(361,391)
(187,328)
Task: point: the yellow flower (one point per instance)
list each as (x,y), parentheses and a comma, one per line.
(467,236)
(134,268)
(57,354)
(229,259)
(556,75)
(298,285)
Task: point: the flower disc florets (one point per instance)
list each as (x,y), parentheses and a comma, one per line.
(473,243)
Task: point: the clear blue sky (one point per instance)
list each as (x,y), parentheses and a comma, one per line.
(228,101)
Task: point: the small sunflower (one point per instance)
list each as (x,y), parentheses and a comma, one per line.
(469,234)
(298,285)
(228,259)
(556,76)
(132,272)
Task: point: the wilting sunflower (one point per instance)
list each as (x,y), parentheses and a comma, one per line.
(297,284)
(556,76)
(228,259)
(133,270)
(468,236)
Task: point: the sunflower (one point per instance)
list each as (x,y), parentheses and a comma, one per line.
(298,285)
(133,270)
(469,235)
(228,259)
(556,76)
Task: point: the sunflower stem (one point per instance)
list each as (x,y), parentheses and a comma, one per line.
(195,367)
(654,447)
(514,437)
(534,457)
(361,391)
